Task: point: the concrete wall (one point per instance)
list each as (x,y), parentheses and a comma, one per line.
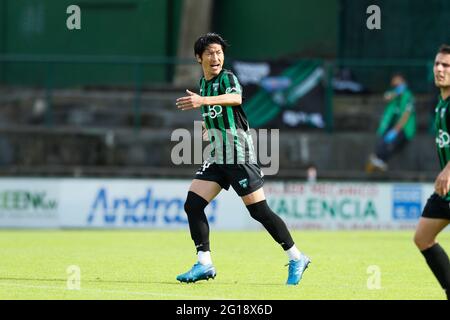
(111,28)
(337,155)
(266,29)
(152,29)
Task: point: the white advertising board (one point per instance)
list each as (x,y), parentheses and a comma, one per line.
(348,205)
(26,202)
(159,204)
(111,203)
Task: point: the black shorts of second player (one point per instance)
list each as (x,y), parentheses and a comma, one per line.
(437,208)
(244,178)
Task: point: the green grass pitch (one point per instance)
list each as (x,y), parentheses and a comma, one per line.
(250,265)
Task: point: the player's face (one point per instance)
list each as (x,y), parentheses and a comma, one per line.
(442,70)
(212,60)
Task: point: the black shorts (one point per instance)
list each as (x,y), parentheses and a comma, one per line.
(436,208)
(245,178)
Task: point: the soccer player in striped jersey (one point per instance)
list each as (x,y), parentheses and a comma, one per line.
(436,214)
(232,162)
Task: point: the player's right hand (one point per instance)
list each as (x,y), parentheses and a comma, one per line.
(191,101)
(442,183)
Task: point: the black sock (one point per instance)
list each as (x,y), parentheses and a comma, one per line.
(198,222)
(438,262)
(261,212)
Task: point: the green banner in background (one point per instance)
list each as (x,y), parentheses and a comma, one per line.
(283,94)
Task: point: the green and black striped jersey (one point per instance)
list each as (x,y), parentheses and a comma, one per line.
(227,126)
(442,122)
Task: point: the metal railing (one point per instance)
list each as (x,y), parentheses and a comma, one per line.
(136,66)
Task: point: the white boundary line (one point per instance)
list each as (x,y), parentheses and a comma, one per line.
(192,297)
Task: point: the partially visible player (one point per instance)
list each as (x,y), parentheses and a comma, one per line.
(232,162)
(436,214)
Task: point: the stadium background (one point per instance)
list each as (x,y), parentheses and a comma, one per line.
(86,116)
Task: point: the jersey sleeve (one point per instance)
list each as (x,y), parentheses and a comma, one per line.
(230,84)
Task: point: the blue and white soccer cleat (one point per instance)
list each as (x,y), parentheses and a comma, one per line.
(198,272)
(296,269)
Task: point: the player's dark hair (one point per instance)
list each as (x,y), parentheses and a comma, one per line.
(445,48)
(204,41)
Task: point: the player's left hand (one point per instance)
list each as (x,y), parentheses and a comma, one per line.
(441,185)
(191,101)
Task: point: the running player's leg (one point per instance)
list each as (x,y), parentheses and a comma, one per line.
(200,194)
(247,180)
(259,210)
(427,231)
(435,256)
(207,184)
(435,217)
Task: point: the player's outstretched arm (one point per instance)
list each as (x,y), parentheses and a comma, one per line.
(193,100)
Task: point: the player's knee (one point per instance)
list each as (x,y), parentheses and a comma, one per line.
(259,211)
(416,240)
(194,204)
(422,242)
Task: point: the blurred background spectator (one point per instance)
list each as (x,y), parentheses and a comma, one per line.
(397,125)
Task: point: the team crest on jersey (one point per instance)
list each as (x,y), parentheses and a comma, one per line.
(443,139)
(213,111)
(244,183)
